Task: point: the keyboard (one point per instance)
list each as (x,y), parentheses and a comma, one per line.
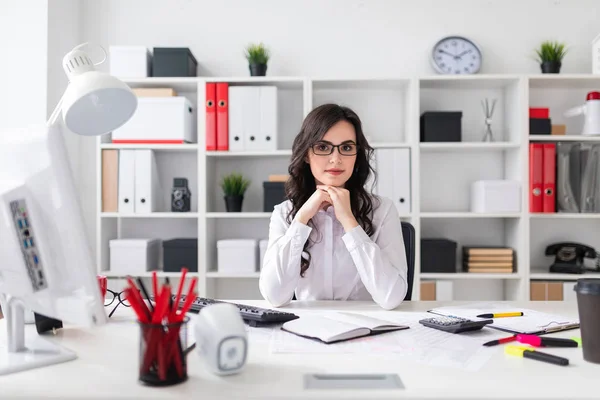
(253,316)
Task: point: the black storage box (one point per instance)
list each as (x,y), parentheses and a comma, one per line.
(441,126)
(179,253)
(438,255)
(173,61)
(274,193)
(540,126)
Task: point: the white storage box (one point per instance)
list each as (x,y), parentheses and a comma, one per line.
(132,256)
(496,196)
(130,61)
(237,255)
(262,245)
(159,120)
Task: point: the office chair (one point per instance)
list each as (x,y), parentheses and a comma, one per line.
(408,233)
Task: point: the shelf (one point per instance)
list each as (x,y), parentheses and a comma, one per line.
(215,274)
(564,81)
(468,215)
(359,83)
(180,84)
(282,82)
(467,81)
(233,215)
(564,215)
(467,275)
(389,145)
(266,153)
(160,274)
(174,215)
(544,274)
(461,146)
(165,147)
(563,138)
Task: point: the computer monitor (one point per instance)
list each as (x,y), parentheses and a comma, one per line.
(46,264)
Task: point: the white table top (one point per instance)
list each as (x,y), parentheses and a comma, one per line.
(108,358)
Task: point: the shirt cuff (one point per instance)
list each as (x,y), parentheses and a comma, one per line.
(355,237)
(298,233)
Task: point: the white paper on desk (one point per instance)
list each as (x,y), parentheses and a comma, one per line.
(418,343)
(532,321)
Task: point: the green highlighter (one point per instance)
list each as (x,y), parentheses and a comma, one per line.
(578,340)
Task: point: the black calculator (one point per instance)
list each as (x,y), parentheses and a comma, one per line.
(454,324)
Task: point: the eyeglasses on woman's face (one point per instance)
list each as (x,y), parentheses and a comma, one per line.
(323,148)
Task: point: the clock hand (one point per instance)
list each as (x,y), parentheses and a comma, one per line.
(445,52)
(463,53)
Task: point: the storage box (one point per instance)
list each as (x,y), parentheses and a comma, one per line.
(273,194)
(237,255)
(159,120)
(496,196)
(179,253)
(130,61)
(132,256)
(262,246)
(540,126)
(438,255)
(441,126)
(174,61)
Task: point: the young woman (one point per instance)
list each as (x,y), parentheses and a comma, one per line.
(332,239)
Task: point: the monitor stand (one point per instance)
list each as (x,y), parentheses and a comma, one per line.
(26,350)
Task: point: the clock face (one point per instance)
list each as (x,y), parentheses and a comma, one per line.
(456,55)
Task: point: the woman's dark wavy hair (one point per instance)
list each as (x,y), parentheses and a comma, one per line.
(301,183)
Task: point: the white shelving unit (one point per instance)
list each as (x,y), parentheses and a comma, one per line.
(441,173)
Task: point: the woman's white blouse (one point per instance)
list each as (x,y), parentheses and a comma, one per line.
(344,266)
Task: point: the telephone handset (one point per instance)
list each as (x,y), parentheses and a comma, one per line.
(569,257)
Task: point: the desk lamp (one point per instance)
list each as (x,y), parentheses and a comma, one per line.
(46,265)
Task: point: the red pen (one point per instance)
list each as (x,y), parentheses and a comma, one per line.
(500,341)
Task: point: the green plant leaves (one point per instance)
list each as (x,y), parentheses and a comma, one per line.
(551,51)
(257,53)
(234,184)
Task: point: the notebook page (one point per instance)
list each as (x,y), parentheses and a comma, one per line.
(324,328)
(364,320)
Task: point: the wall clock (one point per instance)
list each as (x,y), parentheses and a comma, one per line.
(456,55)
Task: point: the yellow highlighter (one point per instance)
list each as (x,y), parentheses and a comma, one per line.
(528,352)
(501,315)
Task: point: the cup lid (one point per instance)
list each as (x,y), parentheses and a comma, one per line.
(587,286)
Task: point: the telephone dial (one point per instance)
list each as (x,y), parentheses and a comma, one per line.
(568,257)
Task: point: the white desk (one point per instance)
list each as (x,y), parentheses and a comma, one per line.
(108,360)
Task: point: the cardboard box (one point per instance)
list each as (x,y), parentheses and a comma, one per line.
(428,291)
(559,129)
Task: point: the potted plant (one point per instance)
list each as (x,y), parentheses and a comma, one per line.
(234,186)
(550,55)
(258,56)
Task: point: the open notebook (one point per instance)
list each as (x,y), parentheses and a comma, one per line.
(339,326)
(532,322)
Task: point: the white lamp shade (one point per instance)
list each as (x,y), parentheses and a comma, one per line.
(96,103)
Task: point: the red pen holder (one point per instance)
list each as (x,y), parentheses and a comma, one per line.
(162,353)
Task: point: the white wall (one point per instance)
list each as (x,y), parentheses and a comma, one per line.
(23,27)
(63,34)
(344,38)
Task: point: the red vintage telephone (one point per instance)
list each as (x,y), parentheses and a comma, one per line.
(569,257)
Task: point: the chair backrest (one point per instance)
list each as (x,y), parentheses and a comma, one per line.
(408,233)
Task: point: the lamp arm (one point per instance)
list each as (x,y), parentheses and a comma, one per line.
(56,112)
